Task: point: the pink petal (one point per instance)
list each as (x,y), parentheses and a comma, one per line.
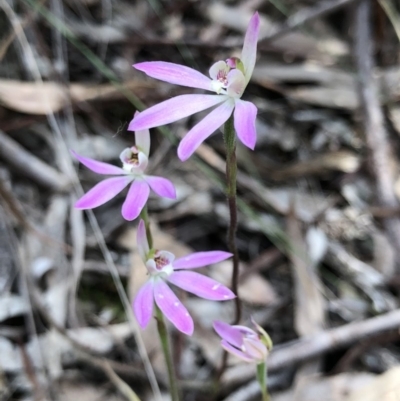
(204,129)
(103,192)
(255,349)
(173,109)
(143,304)
(141,240)
(99,167)
(200,259)
(175,74)
(229,333)
(135,200)
(236,83)
(245,122)
(234,351)
(200,285)
(172,308)
(249,51)
(142,139)
(161,186)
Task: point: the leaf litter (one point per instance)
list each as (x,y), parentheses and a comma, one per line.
(309,193)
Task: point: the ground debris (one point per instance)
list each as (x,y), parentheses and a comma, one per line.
(318,219)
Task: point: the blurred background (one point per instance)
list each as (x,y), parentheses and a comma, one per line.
(319,219)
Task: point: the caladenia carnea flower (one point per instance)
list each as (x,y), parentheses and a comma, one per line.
(228,80)
(134,162)
(247,344)
(251,346)
(162,267)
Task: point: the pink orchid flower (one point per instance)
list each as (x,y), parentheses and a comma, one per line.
(244,343)
(134,161)
(228,79)
(162,267)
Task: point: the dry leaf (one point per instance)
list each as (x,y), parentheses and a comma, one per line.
(343,160)
(10,356)
(72,390)
(301,73)
(385,387)
(394,115)
(309,303)
(254,289)
(305,206)
(11,306)
(318,388)
(343,98)
(49,97)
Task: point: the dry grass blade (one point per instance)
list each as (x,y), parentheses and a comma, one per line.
(305,15)
(123,388)
(41,98)
(5,44)
(345,161)
(392,14)
(309,305)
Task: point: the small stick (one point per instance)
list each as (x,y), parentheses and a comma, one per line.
(305,15)
(15,208)
(376,135)
(30,166)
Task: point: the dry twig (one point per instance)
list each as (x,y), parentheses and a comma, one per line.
(376,135)
(306,15)
(364,276)
(30,166)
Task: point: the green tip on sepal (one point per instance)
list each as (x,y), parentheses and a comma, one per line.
(264,336)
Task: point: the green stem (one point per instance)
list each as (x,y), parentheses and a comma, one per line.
(231,171)
(145,216)
(262,380)
(163,333)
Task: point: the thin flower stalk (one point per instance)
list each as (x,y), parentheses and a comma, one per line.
(228,80)
(166,347)
(262,381)
(144,215)
(231,172)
